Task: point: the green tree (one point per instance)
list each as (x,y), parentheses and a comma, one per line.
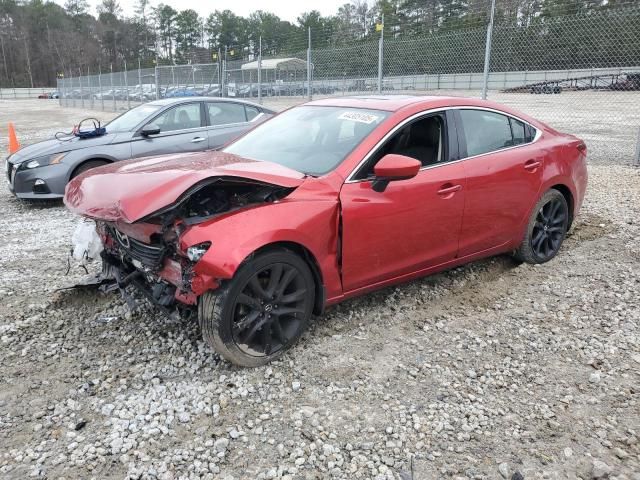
(76,7)
(188,33)
(166,17)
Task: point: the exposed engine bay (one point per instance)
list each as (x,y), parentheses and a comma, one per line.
(212,197)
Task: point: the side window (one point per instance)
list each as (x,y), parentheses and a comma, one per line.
(519,131)
(423,139)
(222,113)
(485,132)
(179,118)
(252,112)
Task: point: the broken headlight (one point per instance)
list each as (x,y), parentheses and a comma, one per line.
(196,252)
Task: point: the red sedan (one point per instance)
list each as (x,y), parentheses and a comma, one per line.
(326,201)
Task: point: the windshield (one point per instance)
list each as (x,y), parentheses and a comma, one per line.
(130,119)
(311,140)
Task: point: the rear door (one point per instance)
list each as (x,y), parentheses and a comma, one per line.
(182,129)
(227,120)
(503,166)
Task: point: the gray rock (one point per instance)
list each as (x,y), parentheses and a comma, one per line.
(504,470)
(600,469)
(221,444)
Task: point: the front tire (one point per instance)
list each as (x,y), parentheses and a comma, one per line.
(87,166)
(262,311)
(546,230)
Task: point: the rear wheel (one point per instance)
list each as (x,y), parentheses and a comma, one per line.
(87,166)
(546,229)
(262,311)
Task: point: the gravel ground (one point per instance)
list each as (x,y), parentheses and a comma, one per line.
(488,371)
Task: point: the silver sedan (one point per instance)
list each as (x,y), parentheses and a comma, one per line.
(168,126)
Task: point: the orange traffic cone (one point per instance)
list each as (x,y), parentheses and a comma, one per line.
(14,145)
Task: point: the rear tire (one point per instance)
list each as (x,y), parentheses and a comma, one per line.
(546,229)
(262,311)
(87,166)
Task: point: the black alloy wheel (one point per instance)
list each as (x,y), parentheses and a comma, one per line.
(262,311)
(549,228)
(269,310)
(546,229)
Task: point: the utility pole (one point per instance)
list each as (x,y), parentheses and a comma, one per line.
(487,52)
(260,70)
(380,55)
(309,68)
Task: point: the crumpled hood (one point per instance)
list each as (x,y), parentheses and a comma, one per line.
(50,147)
(133,189)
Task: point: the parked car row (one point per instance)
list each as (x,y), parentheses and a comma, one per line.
(303,210)
(232,89)
(49,95)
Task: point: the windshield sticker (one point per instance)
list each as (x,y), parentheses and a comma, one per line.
(367,118)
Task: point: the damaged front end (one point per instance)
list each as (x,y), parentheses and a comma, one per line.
(148,255)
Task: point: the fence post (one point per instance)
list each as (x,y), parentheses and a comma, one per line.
(309,67)
(487,52)
(219,73)
(140,82)
(260,71)
(100,88)
(157,80)
(126,85)
(90,88)
(113,93)
(224,73)
(81,88)
(380,55)
(636,159)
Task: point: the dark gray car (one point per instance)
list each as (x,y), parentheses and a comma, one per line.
(175,125)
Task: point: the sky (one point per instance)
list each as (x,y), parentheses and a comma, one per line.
(285,9)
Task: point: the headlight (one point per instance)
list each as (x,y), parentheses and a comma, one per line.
(196,252)
(46,160)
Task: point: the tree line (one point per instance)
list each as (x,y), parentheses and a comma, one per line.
(41,40)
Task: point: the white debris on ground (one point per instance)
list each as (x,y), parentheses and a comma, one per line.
(488,371)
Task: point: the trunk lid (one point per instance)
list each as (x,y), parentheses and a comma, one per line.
(133,189)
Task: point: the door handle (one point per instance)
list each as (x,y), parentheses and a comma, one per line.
(198,139)
(448,189)
(531,165)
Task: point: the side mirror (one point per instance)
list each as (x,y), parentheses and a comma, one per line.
(150,129)
(393,167)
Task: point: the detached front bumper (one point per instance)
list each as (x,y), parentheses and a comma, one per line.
(42,183)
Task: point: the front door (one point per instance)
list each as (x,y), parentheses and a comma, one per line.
(413,224)
(181,130)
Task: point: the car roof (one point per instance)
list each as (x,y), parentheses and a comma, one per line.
(392,103)
(171,101)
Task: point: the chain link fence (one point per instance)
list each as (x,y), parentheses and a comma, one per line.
(579,72)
